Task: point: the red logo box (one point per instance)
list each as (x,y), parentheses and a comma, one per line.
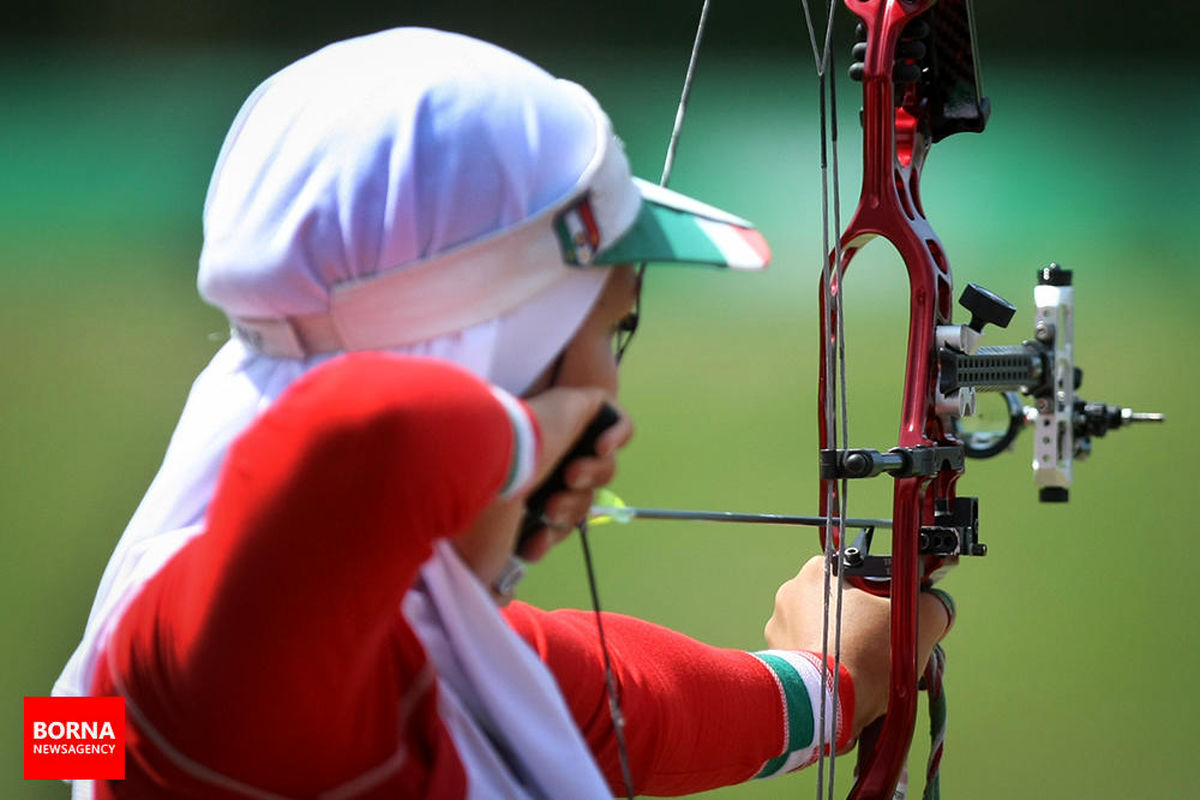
(75,737)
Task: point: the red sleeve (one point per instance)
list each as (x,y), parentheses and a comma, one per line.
(270,649)
(696,717)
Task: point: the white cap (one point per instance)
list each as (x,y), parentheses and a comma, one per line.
(398,187)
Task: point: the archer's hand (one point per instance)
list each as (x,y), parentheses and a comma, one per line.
(563,414)
(796,625)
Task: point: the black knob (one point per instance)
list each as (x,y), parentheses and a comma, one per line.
(1053,494)
(986,306)
(1054,275)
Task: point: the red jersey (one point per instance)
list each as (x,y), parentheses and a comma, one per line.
(270,658)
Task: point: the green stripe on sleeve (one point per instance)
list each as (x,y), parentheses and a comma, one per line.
(798,708)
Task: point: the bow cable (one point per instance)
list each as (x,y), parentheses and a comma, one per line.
(610,681)
(835,380)
(685,95)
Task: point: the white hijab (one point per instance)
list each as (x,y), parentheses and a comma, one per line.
(368,155)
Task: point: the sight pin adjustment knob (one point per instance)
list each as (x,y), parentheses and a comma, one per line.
(986,307)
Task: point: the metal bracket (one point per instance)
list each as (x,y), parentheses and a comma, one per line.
(899,462)
(955,531)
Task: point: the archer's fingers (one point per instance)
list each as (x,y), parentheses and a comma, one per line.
(564,414)
(564,511)
(617,436)
(591,472)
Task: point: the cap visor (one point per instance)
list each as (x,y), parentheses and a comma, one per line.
(671,227)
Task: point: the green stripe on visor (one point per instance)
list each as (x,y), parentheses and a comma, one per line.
(663,234)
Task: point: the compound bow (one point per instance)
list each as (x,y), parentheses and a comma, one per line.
(917,63)
(920,81)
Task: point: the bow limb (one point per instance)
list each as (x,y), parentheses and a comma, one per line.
(895,142)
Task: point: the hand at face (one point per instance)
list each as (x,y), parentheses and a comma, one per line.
(562,415)
(560,412)
(796,625)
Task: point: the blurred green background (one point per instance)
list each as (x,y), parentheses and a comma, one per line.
(1071,671)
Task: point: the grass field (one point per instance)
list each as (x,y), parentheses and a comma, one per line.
(1071,673)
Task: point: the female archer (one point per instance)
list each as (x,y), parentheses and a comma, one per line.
(423,244)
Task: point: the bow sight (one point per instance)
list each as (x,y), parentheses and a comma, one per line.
(1042,369)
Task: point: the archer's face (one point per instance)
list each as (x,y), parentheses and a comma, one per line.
(589,358)
(588,361)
